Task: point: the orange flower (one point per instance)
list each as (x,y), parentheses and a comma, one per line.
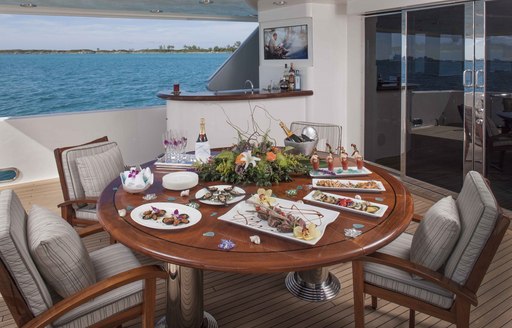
(276,149)
(271,156)
(240,159)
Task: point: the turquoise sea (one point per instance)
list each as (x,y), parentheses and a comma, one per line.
(32,84)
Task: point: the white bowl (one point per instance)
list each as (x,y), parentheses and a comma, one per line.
(148,180)
(180,180)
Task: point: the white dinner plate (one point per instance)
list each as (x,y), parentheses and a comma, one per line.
(338,172)
(233,200)
(243,214)
(349,185)
(378,214)
(194,215)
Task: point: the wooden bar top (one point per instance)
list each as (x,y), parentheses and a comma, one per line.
(243,94)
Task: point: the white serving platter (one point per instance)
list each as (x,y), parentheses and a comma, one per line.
(378,214)
(194,215)
(338,172)
(348,185)
(233,200)
(244,214)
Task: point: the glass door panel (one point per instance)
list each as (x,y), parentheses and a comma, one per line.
(498,99)
(435,96)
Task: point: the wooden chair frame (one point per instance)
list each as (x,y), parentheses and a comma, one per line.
(24,317)
(465,294)
(67,209)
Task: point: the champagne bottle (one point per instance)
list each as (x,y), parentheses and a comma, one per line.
(289,134)
(202,131)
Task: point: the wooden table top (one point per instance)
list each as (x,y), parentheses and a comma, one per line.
(188,246)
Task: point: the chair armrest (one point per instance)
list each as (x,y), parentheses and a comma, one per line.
(102,287)
(90,230)
(79,201)
(417,217)
(422,271)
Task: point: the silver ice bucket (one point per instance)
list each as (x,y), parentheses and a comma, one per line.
(305,148)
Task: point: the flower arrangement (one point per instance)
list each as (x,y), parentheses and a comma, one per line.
(252,161)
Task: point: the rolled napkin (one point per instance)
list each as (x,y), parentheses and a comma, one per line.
(137,179)
(202,152)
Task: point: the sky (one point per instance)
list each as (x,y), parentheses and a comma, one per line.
(65,33)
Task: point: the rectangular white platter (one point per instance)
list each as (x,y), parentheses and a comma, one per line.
(378,214)
(349,185)
(244,214)
(338,172)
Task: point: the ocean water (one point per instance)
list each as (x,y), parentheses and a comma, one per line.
(55,83)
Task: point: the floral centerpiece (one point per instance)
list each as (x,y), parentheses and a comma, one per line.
(252,161)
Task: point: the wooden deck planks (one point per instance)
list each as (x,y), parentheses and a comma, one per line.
(242,300)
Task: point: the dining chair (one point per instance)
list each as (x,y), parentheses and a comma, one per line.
(439,269)
(84,171)
(48,278)
(327,134)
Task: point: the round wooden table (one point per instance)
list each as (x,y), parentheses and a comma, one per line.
(188,252)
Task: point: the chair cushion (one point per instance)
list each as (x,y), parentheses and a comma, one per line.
(436,235)
(401,281)
(71,175)
(478,212)
(15,254)
(87,212)
(97,171)
(59,253)
(107,261)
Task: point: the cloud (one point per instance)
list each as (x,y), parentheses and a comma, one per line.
(55,32)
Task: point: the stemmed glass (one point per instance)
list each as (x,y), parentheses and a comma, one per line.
(175,144)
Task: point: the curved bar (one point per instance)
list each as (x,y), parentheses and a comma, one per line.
(231,95)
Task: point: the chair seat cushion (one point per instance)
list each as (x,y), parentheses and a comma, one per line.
(107,261)
(87,212)
(401,281)
(97,171)
(436,235)
(58,252)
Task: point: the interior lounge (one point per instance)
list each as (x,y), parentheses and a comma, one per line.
(369,184)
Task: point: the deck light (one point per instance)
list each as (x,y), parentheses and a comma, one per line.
(28,5)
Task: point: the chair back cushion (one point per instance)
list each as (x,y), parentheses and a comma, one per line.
(478,212)
(15,255)
(59,253)
(436,235)
(97,171)
(71,175)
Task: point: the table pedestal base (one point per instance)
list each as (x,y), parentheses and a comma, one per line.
(315,285)
(185,299)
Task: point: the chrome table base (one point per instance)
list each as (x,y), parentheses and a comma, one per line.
(315,285)
(185,299)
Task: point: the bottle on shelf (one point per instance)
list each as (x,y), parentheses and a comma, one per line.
(358,157)
(202,145)
(290,136)
(291,78)
(298,80)
(284,81)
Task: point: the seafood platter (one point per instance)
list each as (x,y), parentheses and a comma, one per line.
(347,203)
(338,172)
(165,216)
(349,185)
(220,195)
(282,218)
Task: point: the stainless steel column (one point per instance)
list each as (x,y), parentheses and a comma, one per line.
(315,285)
(185,298)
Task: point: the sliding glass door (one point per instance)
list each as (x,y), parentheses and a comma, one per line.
(438,96)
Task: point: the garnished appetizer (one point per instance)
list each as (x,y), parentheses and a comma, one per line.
(362,205)
(175,218)
(340,184)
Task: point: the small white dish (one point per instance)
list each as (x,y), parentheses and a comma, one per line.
(137,214)
(180,180)
(146,180)
(214,201)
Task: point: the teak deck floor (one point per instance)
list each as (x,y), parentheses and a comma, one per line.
(238,300)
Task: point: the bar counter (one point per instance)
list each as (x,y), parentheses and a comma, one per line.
(226,95)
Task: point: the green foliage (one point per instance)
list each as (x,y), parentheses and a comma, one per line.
(274,166)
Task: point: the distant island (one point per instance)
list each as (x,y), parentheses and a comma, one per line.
(161,49)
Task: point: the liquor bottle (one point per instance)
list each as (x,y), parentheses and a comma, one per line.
(289,134)
(284,81)
(298,80)
(358,157)
(291,78)
(202,131)
(202,149)
(344,159)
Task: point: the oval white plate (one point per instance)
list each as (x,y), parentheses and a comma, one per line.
(233,200)
(136,215)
